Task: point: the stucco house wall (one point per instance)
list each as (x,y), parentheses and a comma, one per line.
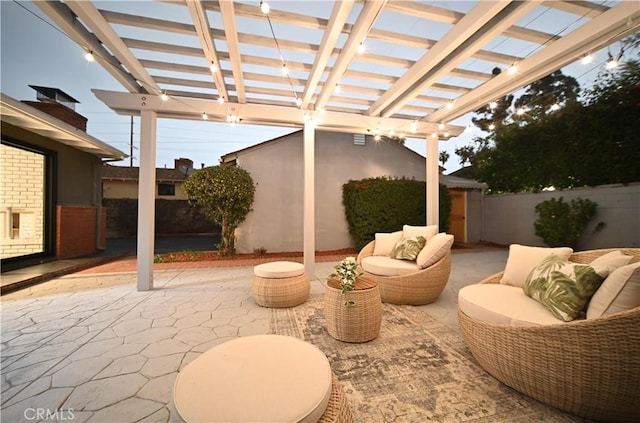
(276,222)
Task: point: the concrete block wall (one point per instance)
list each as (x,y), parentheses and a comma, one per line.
(21,191)
(76,229)
(510,218)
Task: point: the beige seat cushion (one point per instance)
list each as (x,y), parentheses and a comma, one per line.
(522,259)
(619,292)
(386,266)
(385,243)
(504,305)
(260,378)
(278,269)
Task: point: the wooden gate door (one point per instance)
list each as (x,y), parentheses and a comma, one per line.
(457,222)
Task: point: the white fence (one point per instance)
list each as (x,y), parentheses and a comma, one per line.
(509,218)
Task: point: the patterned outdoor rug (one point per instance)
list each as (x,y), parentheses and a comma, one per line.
(416,370)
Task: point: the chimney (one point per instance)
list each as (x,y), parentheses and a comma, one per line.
(186,163)
(58,104)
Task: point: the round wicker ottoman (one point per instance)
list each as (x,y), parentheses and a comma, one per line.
(260,378)
(280,284)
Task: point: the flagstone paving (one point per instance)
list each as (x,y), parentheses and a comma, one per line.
(90,348)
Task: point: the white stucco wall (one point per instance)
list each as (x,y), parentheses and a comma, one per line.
(276,220)
(509,218)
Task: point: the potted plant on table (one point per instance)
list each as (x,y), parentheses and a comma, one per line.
(352,304)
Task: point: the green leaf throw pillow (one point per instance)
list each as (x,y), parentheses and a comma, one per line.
(563,287)
(408,248)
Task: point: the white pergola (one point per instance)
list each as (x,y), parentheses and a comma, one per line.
(425,64)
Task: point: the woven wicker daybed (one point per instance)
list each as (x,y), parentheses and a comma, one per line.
(421,287)
(590,368)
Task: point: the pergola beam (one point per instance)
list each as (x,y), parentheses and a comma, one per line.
(191,109)
(618,22)
(98,25)
(231,34)
(67,21)
(367,17)
(203,29)
(339,16)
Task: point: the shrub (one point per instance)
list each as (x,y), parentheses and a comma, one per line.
(385,205)
(560,223)
(226,194)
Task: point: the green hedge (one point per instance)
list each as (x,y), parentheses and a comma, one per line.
(385,205)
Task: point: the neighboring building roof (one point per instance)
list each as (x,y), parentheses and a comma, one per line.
(456,182)
(233,156)
(33,120)
(53,94)
(121,173)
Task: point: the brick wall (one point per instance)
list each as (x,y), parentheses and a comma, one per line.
(61,112)
(76,229)
(21,193)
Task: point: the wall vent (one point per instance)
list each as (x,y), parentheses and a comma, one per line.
(358,139)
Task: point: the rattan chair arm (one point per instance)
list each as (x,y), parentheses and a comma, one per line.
(366,251)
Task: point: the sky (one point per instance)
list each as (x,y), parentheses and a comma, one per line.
(33,52)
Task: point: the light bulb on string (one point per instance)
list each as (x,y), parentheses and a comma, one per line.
(89,56)
(493,105)
(492,127)
(414,127)
(284,69)
(449,105)
(298,102)
(587,59)
(221,100)
(338,89)
(205,116)
(361,48)
(611,62)
(376,137)
(555,107)
(513,69)
(441,126)
(521,111)
(264,7)
(213,67)
(164,96)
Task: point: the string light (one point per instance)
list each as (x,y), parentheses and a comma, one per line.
(521,111)
(555,107)
(468,129)
(284,69)
(441,126)
(376,137)
(611,62)
(513,69)
(89,56)
(221,100)
(164,96)
(402,135)
(449,105)
(298,102)
(322,110)
(205,116)
(587,59)
(434,135)
(392,133)
(213,67)
(264,7)
(492,127)
(338,89)
(361,48)
(493,105)
(414,127)
(446,134)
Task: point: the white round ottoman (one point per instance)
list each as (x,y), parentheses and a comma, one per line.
(261,378)
(280,284)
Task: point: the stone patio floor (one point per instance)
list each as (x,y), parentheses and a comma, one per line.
(88,347)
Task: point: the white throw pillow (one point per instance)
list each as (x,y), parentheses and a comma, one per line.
(611,261)
(522,259)
(427,232)
(619,292)
(436,248)
(385,243)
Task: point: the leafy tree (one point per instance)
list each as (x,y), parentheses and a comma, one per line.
(443,157)
(491,118)
(555,89)
(226,194)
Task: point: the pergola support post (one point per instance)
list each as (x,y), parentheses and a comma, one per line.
(433,181)
(146,199)
(309,219)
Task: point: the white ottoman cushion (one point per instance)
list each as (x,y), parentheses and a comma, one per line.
(261,378)
(278,269)
(503,305)
(387,266)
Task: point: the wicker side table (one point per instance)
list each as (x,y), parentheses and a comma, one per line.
(359,322)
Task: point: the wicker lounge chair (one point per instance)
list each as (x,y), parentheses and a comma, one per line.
(590,368)
(418,288)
